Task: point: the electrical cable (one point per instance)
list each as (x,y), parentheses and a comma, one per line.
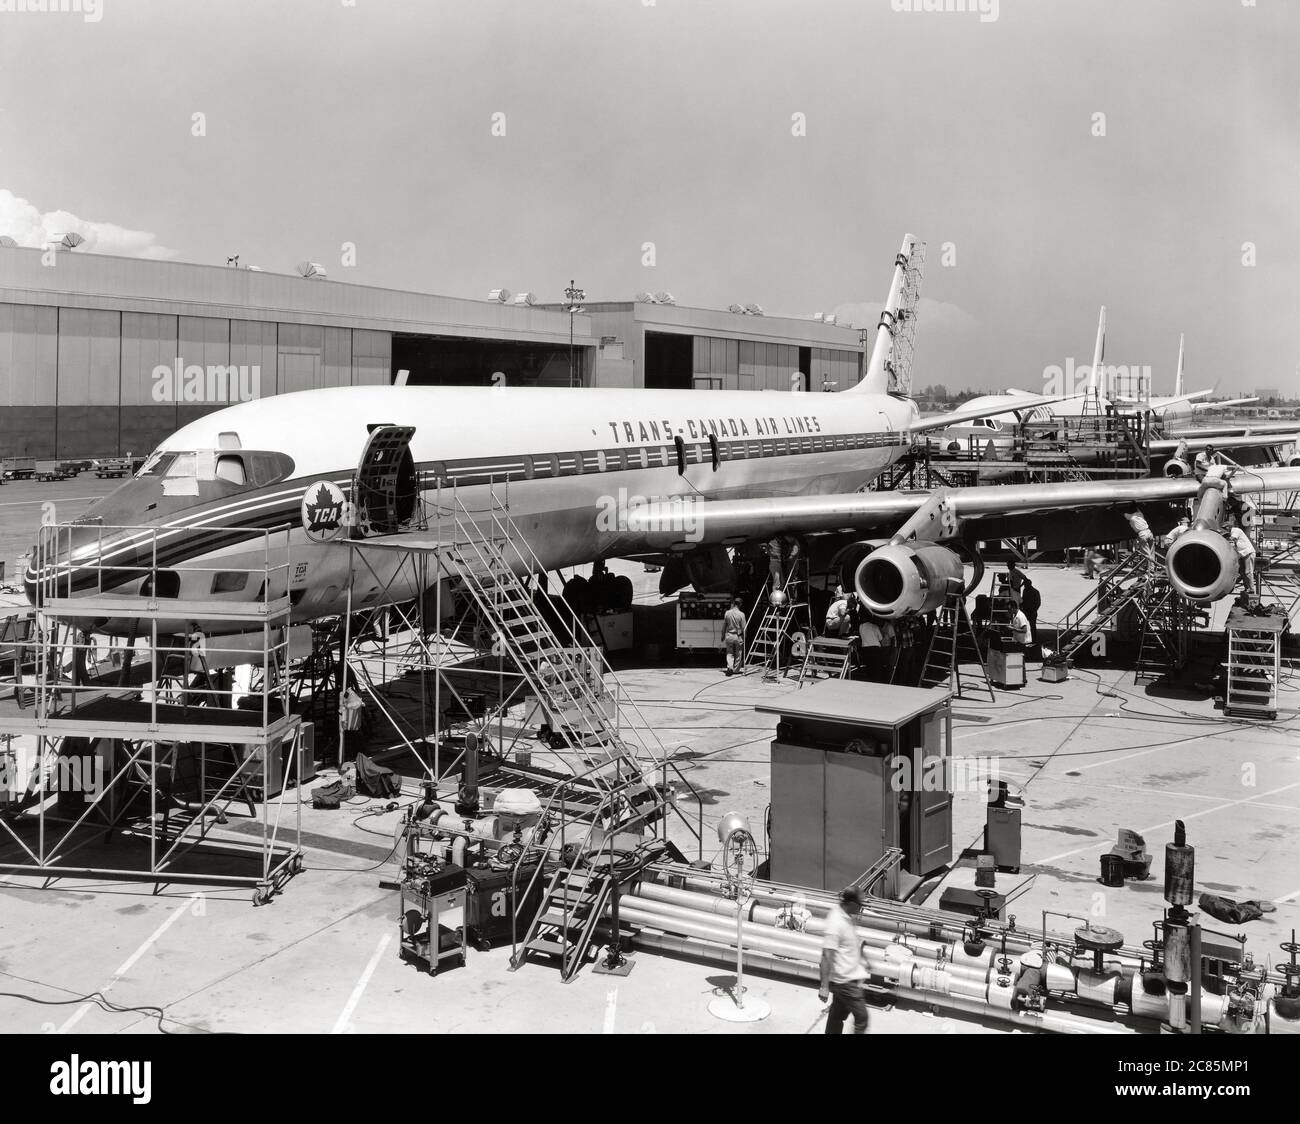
(101,1001)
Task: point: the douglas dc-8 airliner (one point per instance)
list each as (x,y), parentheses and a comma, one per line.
(713,469)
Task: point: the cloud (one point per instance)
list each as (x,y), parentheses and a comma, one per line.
(932,315)
(30,227)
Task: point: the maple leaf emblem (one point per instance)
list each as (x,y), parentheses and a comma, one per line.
(323,510)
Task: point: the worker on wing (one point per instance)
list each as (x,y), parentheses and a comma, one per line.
(1205,460)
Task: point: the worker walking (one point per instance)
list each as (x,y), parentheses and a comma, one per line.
(843,975)
(1142,532)
(1245,556)
(733,636)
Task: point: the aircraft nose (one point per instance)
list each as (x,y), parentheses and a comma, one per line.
(64,560)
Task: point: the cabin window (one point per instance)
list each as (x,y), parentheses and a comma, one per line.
(229,581)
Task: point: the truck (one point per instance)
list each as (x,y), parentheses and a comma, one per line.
(113,466)
(17,468)
(55,470)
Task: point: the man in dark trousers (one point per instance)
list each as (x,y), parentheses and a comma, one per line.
(1030,602)
(843,975)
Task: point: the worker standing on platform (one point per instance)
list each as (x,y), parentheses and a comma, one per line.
(1181,527)
(196,662)
(1205,460)
(733,636)
(1245,556)
(837,616)
(1142,532)
(842,973)
(774,562)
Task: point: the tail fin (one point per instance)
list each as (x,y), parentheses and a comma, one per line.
(1178,378)
(876,378)
(1098,354)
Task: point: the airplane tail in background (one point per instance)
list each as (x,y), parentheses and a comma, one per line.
(1098,354)
(891,354)
(1178,377)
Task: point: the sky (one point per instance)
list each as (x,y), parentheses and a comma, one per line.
(1055,155)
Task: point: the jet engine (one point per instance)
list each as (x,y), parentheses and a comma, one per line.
(1293,461)
(1201,562)
(1202,565)
(904,578)
(1176,468)
(847,559)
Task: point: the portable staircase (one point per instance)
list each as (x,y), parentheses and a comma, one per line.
(1167,621)
(778,621)
(1115,590)
(828,656)
(612,792)
(953,643)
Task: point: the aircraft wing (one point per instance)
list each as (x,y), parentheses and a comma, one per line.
(956,417)
(1225,402)
(1225,441)
(1157,404)
(1282,431)
(673,524)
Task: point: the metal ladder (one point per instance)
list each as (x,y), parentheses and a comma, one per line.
(1167,618)
(774,626)
(953,641)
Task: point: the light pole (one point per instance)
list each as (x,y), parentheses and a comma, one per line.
(575,297)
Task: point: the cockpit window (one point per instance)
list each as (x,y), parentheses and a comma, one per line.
(157,464)
(238,469)
(231,469)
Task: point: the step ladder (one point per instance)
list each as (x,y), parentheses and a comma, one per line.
(572,906)
(1002,605)
(828,656)
(767,649)
(953,643)
(1254,665)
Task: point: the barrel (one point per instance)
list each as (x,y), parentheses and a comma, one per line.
(1112,870)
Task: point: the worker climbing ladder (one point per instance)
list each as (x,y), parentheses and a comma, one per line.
(786,616)
(952,643)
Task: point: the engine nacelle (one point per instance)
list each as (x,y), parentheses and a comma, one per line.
(1293,461)
(1176,468)
(898,580)
(847,559)
(1202,565)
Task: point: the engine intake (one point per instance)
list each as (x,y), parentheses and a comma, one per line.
(1202,565)
(1176,468)
(901,579)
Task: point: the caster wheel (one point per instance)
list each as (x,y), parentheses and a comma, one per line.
(261,897)
(483,946)
(221,818)
(297,866)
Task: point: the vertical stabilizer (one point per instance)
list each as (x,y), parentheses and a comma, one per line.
(1098,354)
(1178,377)
(891,350)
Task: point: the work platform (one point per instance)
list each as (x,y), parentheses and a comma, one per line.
(154,763)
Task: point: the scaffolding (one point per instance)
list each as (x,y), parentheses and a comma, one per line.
(91,747)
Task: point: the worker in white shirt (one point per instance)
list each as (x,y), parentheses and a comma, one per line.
(1205,460)
(843,974)
(1245,555)
(1181,527)
(873,650)
(837,616)
(1142,531)
(1021,631)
